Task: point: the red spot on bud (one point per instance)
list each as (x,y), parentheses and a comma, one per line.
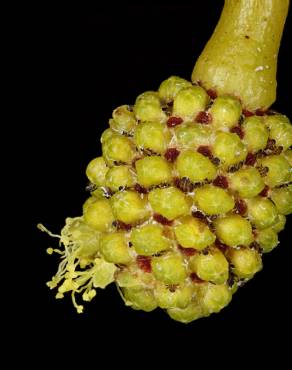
(247,113)
(223,247)
(187,251)
(204,117)
(171,154)
(265,191)
(174,121)
(221,182)
(240,207)
(122,226)
(260,112)
(162,220)
(237,130)
(140,189)
(250,159)
(212,93)
(205,150)
(144,263)
(195,278)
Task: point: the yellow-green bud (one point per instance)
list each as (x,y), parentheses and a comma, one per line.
(118,148)
(234,230)
(140,299)
(280,130)
(84,236)
(262,212)
(153,171)
(211,267)
(225,111)
(169,88)
(149,239)
(106,135)
(279,170)
(99,215)
(246,262)
(214,297)
(195,166)
(282,197)
(129,207)
(189,102)
(169,202)
(192,233)
(169,268)
(185,315)
(247,182)
(267,239)
(180,297)
(213,200)
(280,224)
(119,176)
(256,133)
(152,135)
(114,248)
(96,171)
(148,107)
(190,136)
(229,148)
(123,120)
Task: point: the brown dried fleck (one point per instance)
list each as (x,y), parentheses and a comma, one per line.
(215,161)
(195,278)
(250,159)
(172,288)
(149,152)
(144,263)
(204,118)
(260,112)
(122,226)
(201,216)
(184,184)
(223,247)
(205,151)
(187,251)
(140,189)
(247,113)
(212,93)
(263,170)
(238,131)
(240,207)
(171,154)
(174,121)
(91,187)
(232,279)
(265,191)
(256,246)
(162,220)
(107,192)
(235,167)
(221,182)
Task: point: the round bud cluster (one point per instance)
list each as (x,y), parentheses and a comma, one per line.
(191,189)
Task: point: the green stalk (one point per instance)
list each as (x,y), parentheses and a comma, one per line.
(241,56)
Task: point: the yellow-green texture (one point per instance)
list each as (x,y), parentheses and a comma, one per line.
(181,209)
(240,58)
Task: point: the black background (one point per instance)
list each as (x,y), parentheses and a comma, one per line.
(82,64)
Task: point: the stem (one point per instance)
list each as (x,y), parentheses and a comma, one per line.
(241,57)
